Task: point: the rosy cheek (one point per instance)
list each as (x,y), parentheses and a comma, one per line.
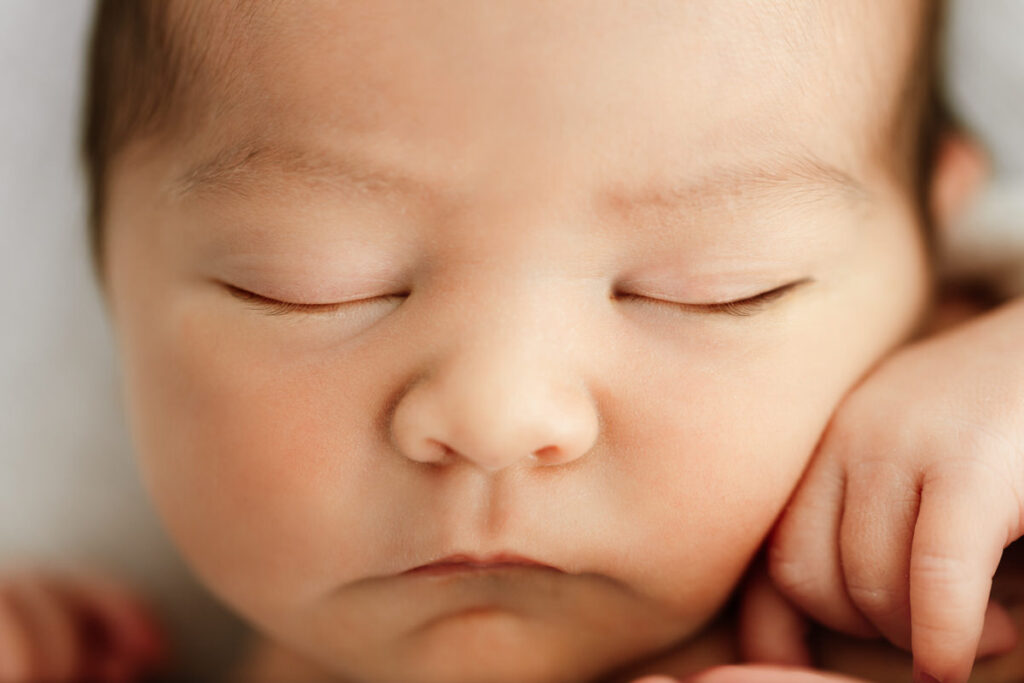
(240,459)
(718,451)
(710,498)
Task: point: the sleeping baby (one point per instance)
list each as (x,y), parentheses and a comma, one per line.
(489,342)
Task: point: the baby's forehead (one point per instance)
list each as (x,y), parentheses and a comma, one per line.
(726,83)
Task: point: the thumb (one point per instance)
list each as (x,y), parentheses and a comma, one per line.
(771,630)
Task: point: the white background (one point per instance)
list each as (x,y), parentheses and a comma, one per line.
(69,492)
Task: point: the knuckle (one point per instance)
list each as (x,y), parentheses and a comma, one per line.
(884,471)
(992,480)
(983,446)
(877,600)
(939,630)
(939,571)
(793,575)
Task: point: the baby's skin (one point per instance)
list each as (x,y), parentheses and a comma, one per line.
(947,408)
(917,486)
(581,282)
(896,530)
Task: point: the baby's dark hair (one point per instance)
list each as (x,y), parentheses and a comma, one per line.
(155,66)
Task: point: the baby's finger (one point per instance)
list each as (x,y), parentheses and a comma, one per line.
(877,529)
(51,627)
(125,621)
(16,655)
(803,551)
(958,540)
(771,631)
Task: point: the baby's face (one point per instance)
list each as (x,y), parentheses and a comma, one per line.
(515,216)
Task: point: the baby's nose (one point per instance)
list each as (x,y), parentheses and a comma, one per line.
(494,408)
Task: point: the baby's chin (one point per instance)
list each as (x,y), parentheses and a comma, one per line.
(501,648)
(476,660)
(489,653)
(585,633)
(510,624)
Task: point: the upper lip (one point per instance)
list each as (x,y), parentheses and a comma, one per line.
(503,559)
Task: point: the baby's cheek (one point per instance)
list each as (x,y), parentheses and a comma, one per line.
(719,457)
(247,471)
(710,544)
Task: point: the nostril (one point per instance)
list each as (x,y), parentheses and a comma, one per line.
(440,452)
(547,453)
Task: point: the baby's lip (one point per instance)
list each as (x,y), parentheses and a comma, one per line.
(464,562)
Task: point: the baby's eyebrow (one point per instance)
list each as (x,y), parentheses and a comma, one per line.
(249,168)
(246,168)
(782,180)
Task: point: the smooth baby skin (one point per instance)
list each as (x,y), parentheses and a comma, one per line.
(511,226)
(914,493)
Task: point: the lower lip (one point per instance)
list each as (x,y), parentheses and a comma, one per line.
(445,568)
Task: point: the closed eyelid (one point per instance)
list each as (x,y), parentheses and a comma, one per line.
(771,293)
(271,306)
(751,305)
(739,307)
(276,307)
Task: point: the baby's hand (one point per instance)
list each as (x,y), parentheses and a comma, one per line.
(72,627)
(916,487)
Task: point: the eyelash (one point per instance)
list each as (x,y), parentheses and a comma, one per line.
(276,307)
(739,308)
